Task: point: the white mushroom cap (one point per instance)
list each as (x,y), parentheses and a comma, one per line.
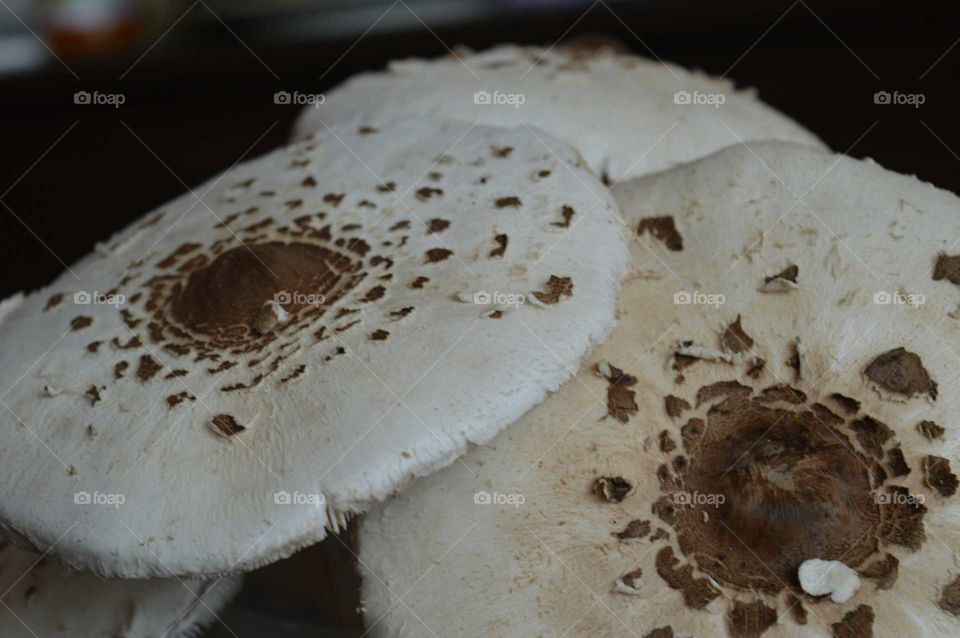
(628,115)
(176,423)
(41,598)
(703,482)
(821,577)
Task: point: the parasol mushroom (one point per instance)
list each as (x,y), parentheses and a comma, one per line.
(248,366)
(652,115)
(733,444)
(41,598)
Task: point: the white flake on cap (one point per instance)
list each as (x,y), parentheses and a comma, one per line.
(822,577)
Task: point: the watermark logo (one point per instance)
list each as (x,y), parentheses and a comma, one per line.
(899,498)
(516,100)
(84,298)
(100,499)
(684,98)
(296,98)
(287,298)
(915,100)
(883,298)
(697,298)
(684,499)
(299,498)
(498,498)
(495,298)
(97,98)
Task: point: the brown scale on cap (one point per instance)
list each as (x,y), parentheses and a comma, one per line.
(750,620)
(937,475)
(947,267)
(556,288)
(734,339)
(950,597)
(664,229)
(567,213)
(855,624)
(901,372)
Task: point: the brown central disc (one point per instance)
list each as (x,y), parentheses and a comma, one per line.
(768,488)
(234,287)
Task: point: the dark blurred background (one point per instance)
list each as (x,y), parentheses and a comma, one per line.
(198,79)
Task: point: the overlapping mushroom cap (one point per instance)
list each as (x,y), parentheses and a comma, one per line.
(41,598)
(781,389)
(236,373)
(628,115)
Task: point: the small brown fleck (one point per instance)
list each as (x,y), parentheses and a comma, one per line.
(621,400)
(855,624)
(675,405)
(333,199)
(612,489)
(556,288)
(937,475)
(950,597)
(80,322)
(93,394)
(308,182)
(403,312)
(850,406)
(148,368)
(437,225)
(697,592)
(174,400)
(664,229)
(501,241)
(796,359)
(660,632)
(366,130)
(427,192)
(930,430)
(93,346)
(734,339)
(883,570)
(790,273)
(631,579)
(756,368)
(119,369)
(750,620)
(53,301)
(502,152)
(374,293)
(667,444)
(419,282)
(634,530)
(225,425)
(494,314)
(901,372)
(379,335)
(567,213)
(388,187)
(872,435)
(437,254)
(721,389)
(947,267)
(504,202)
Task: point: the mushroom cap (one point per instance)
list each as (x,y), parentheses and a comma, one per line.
(652,116)
(162,403)
(661,494)
(41,598)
